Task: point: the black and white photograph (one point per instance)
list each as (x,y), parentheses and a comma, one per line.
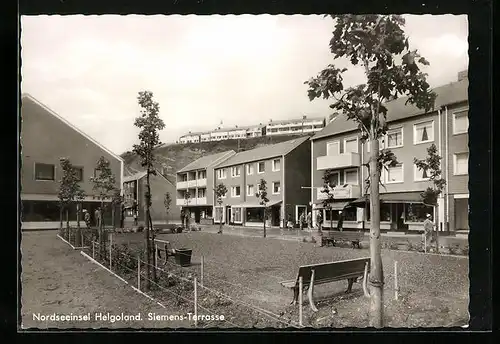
(244,171)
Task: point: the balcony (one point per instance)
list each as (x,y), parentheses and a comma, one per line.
(191,183)
(182,185)
(202,182)
(341,192)
(192,201)
(338,161)
(200,201)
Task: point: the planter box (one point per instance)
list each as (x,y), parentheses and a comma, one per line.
(183,256)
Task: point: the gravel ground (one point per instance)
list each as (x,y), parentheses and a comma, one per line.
(57,279)
(433,289)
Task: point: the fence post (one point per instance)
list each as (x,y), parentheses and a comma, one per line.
(110,249)
(139,272)
(93,249)
(195,303)
(396,287)
(201,275)
(300,301)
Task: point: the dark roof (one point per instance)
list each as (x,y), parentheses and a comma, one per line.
(206,161)
(141,174)
(264,152)
(452,93)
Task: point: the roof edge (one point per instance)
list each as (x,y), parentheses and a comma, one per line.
(72,126)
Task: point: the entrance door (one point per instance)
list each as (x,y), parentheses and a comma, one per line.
(275,215)
(461,214)
(228,215)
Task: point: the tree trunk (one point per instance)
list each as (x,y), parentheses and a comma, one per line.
(221,217)
(153,248)
(100,222)
(376,279)
(436,217)
(113,215)
(61,220)
(265,219)
(148,243)
(78,233)
(331,219)
(67,223)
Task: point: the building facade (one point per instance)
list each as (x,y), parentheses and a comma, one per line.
(194,185)
(190,138)
(410,133)
(295,126)
(45,138)
(134,196)
(284,167)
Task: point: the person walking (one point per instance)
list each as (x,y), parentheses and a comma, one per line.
(319,220)
(340,221)
(86,218)
(302,219)
(183,217)
(309,221)
(289,223)
(428,229)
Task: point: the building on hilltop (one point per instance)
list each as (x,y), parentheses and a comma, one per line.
(45,138)
(411,132)
(286,168)
(302,125)
(195,184)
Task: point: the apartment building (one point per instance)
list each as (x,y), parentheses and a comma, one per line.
(195,183)
(295,126)
(190,138)
(45,138)
(134,196)
(411,132)
(286,169)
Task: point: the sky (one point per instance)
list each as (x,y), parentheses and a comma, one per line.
(202,70)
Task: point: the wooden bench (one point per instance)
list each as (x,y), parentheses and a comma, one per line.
(321,273)
(331,237)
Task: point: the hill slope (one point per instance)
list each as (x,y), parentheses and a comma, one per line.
(173,157)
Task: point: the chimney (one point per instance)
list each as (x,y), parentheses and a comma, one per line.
(463,75)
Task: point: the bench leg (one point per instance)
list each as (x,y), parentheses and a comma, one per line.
(310,293)
(350,282)
(295,295)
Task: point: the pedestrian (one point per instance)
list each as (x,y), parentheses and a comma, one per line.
(122,215)
(183,217)
(340,221)
(188,215)
(289,223)
(97,217)
(428,229)
(309,221)
(86,218)
(302,219)
(319,220)
(136,215)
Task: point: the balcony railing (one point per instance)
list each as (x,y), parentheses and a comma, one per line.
(202,182)
(338,161)
(340,192)
(192,201)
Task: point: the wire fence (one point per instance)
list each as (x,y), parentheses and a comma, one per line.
(184,289)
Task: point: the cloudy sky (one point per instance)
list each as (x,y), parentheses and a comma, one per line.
(201,69)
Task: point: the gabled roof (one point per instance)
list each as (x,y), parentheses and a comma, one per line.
(264,152)
(53,113)
(142,174)
(207,161)
(449,94)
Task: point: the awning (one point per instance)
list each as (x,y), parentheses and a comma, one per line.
(254,204)
(393,197)
(334,205)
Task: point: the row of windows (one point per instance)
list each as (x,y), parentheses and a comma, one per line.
(47,172)
(194,175)
(200,193)
(250,168)
(252,189)
(422,133)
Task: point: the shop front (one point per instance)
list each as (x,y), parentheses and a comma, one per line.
(252,214)
(200,214)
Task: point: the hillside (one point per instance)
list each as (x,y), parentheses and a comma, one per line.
(173,157)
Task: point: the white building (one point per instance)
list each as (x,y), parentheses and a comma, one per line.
(237,133)
(256,130)
(190,138)
(205,137)
(295,126)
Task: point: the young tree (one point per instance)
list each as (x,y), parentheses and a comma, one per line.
(377,44)
(116,200)
(431,167)
(167,202)
(220,192)
(149,123)
(328,185)
(69,192)
(104,183)
(263,200)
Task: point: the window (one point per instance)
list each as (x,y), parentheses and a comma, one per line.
(385,212)
(235,171)
(394,174)
(461,122)
(45,172)
(420,175)
(221,174)
(261,167)
(250,169)
(219,214)
(202,174)
(461,163)
(351,177)
(79,173)
(235,191)
(395,138)
(255,215)
(276,165)
(333,148)
(334,179)
(201,193)
(236,214)
(416,212)
(423,132)
(250,190)
(351,145)
(276,187)
(349,214)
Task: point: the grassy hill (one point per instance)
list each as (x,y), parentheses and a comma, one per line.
(173,157)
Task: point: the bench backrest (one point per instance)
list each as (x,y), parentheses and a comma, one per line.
(331,270)
(348,235)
